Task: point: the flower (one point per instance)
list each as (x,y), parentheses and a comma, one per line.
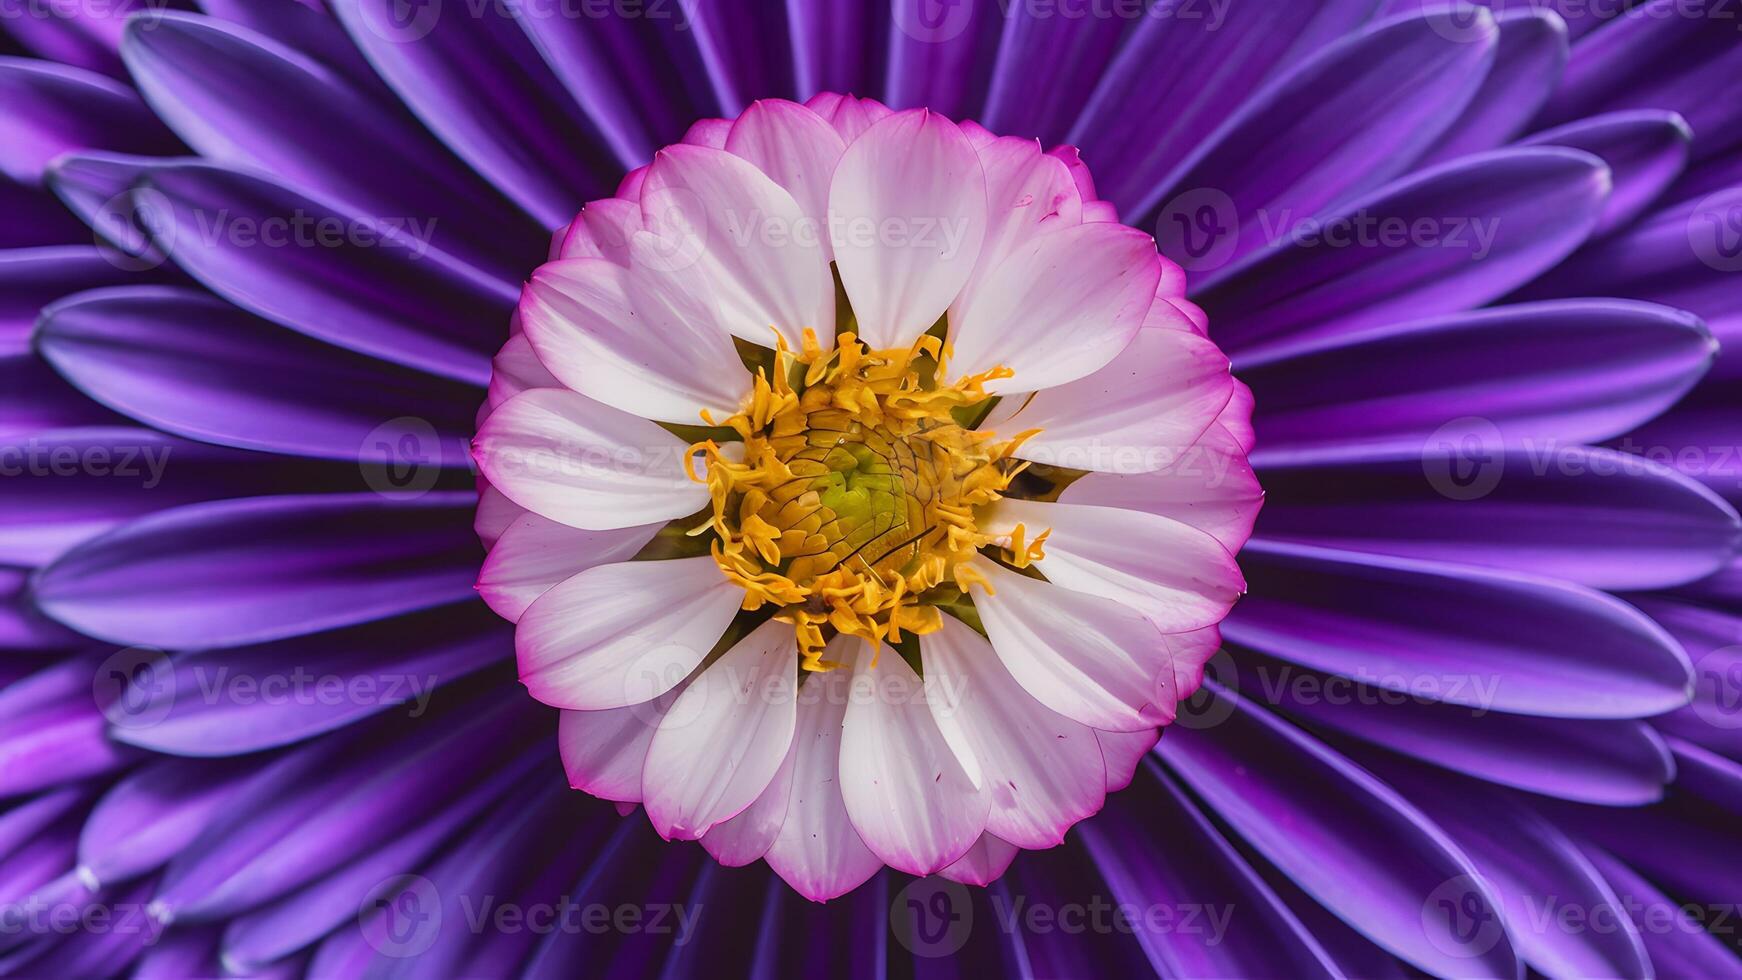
(871,495)
(1476,712)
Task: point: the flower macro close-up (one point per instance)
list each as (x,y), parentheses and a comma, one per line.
(870,488)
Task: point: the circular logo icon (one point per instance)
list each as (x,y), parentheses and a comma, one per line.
(932,21)
(135,687)
(401,21)
(1199,229)
(1459,920)
(1715,230)
(401,916)
(1204,709)
(1718,687)
(401,457)
(1465,458)
(663,669)
(135,229)
(932,917)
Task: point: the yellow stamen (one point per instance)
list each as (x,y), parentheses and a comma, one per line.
(855,494)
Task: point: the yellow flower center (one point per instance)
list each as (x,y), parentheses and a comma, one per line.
(850,502)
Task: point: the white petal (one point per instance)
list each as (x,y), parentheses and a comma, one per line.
(1139,413)
(817,850)
(914,803)
(738,238)
(515,369)
(797,148)
(1211,487)
(1123,752)
(633,338)
(622,634)
(1088,658)
(603,229)
(727,735)
(1062,305)
(849,115)
(748,836)
(1042,770)
(603,752)
(1176,575)
(984,863)
(585,464)
(907,210)
(535,553)
(495,513)
(1027,191)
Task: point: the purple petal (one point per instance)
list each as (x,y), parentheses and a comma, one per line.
(1158,851)
(1658,55)
(246,571)
(1713,640)
(327,804)
(52,730)
(1614,763)
(31,278)
(940,56)
(240,97)
(1046,67)
(479,85)
(1527,64)
(33,399)
(605,62)
(73,484)
(1177,78)
(1646,150)
(52,109)
(1523,510)
(1352,117)
(34,218)
(1527,376)
(242,699)
(302,917)
(186,362)
(1442,240)
(372,286)
(838,47)
(148,817)
(1531,866)
(1499,641)
(22,627)
(1345,838)
(744,47)
(1676,944)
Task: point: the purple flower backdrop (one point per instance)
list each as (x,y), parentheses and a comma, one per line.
(1479,714)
